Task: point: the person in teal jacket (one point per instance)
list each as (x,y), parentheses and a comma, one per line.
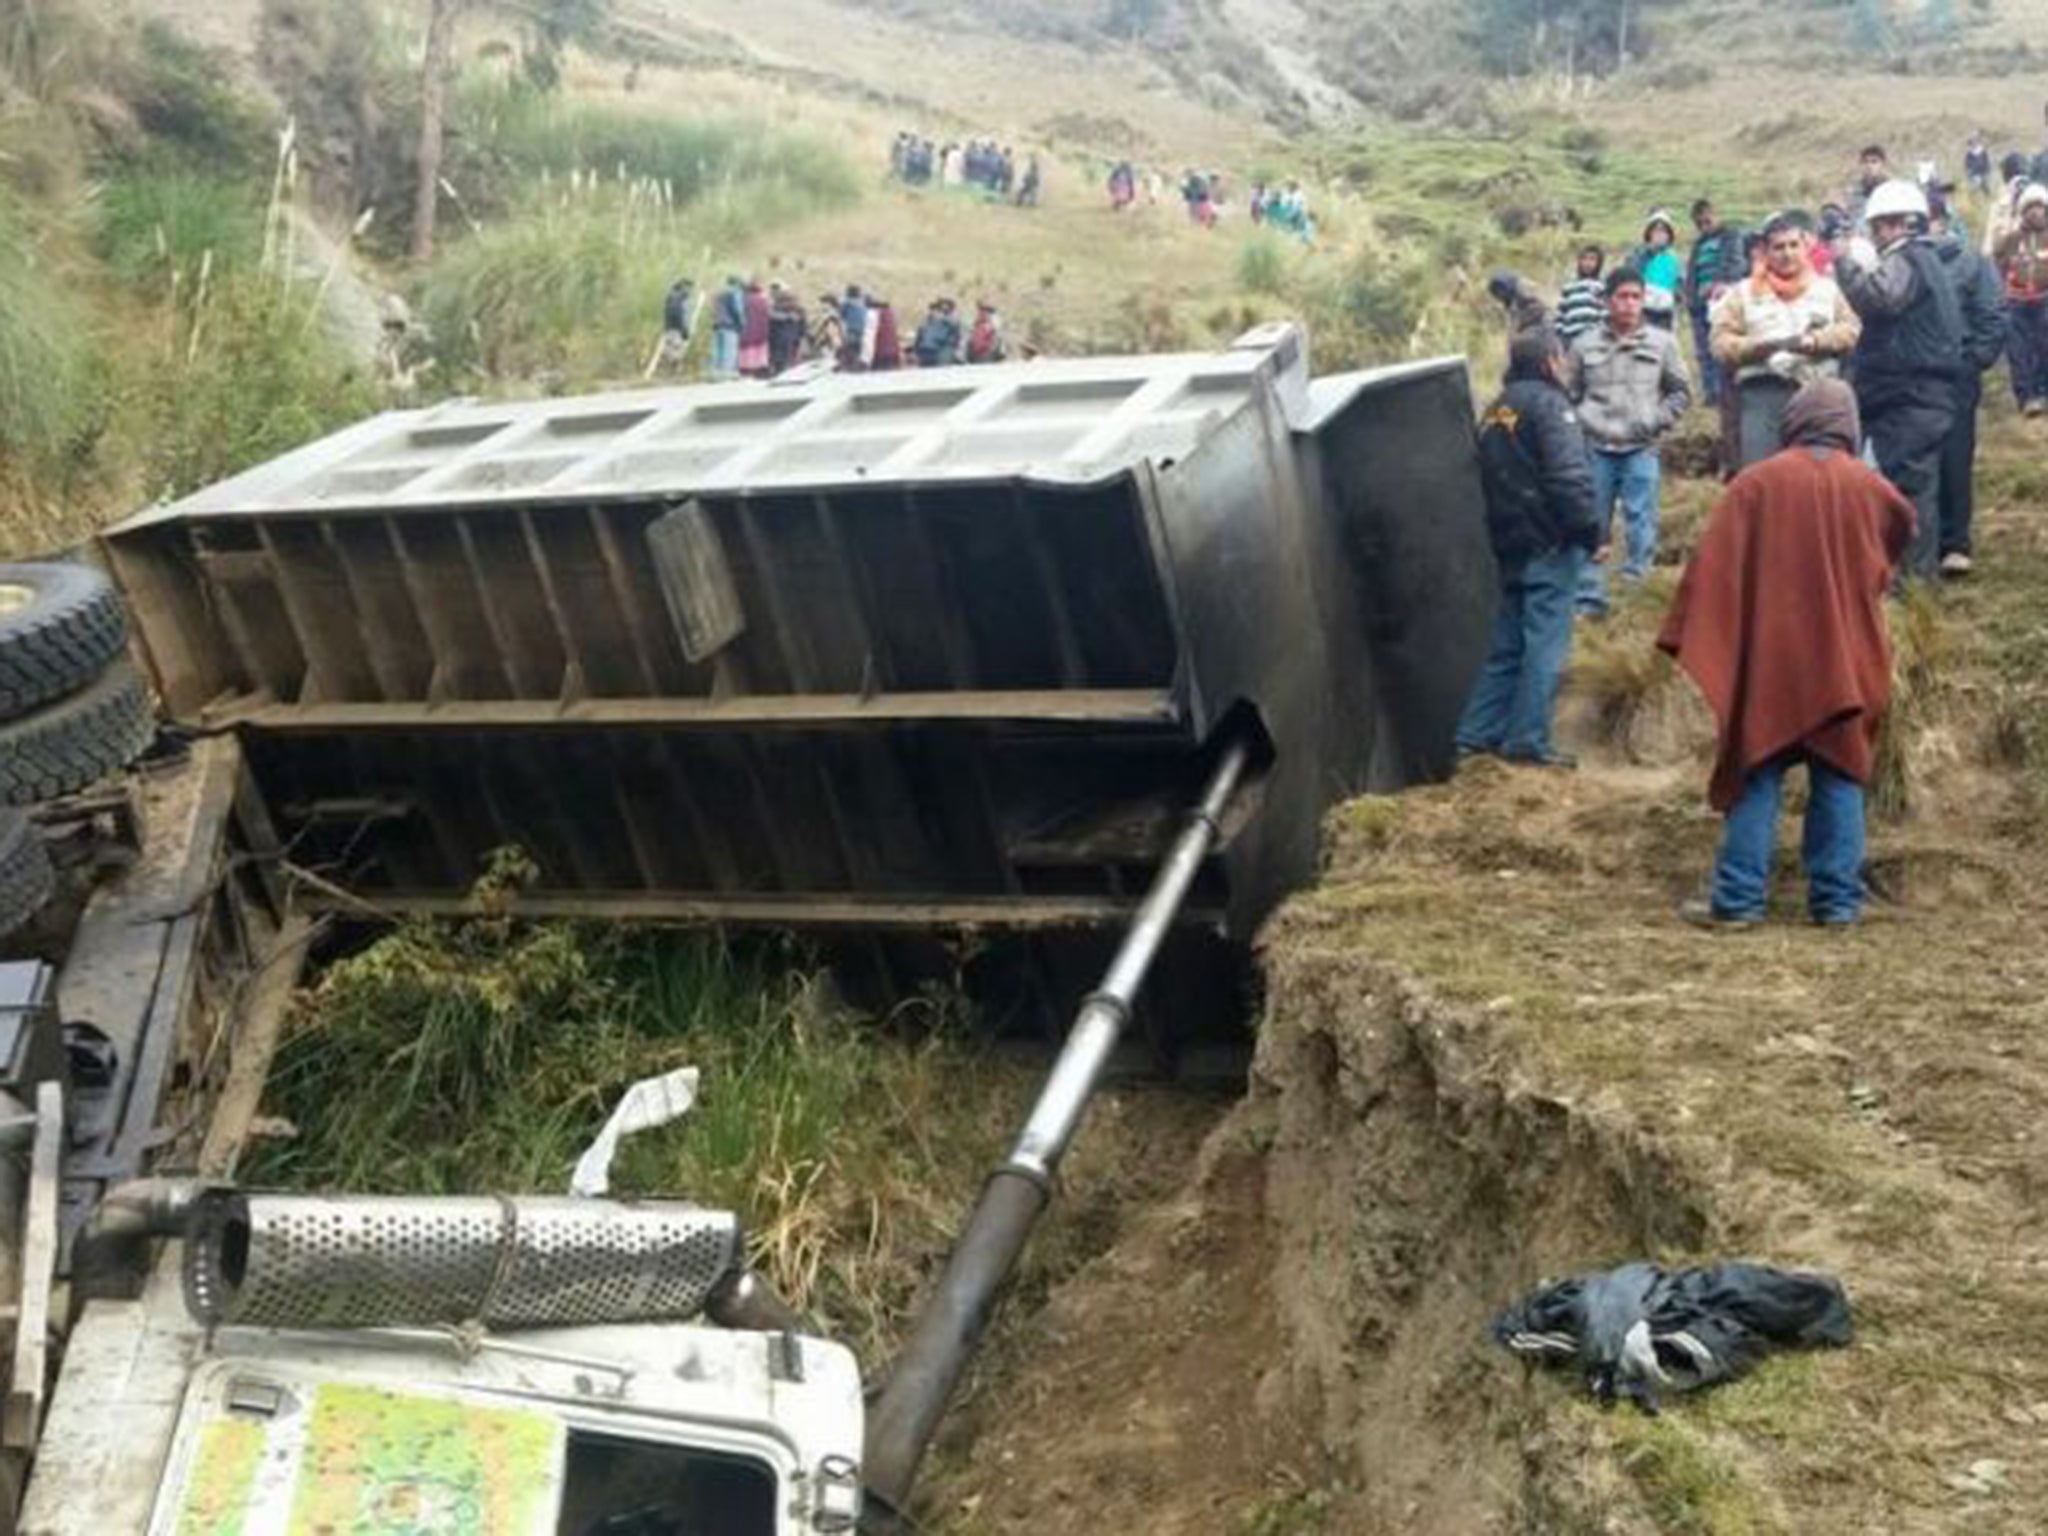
(1663,274)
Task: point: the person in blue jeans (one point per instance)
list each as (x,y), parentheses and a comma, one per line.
(1628,383)
(1779,619)
(1541,522)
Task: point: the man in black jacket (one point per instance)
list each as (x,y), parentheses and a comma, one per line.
(1909,362)
(1982,296)
(1541,518)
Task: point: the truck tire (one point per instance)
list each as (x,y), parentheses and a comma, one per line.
(60,625)
(76,741)
(25,875)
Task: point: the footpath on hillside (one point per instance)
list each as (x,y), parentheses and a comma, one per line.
(1491,1055)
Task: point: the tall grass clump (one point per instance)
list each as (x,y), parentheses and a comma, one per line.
(157,218)
(571,284)
(1262,265)
(530,134)
(242,366)
(51,412)
(246,372)
(485,1056)
(1925,650)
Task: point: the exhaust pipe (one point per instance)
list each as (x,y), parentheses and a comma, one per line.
(110,1255)
(907,1414)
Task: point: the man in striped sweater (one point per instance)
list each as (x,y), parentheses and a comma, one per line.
(1583,303)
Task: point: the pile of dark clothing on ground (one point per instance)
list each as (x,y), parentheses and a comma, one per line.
(1640,1330)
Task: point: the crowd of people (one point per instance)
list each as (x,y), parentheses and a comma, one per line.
(760,331)
(1846,354)
(916,161)
(1204,197)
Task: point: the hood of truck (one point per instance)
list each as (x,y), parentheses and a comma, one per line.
(155,1430)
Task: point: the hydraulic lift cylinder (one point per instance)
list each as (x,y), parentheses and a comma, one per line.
(907,1413)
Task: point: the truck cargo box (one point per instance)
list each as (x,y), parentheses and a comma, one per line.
(923,649)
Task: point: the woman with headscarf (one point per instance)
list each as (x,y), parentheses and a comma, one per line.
(1779,619)
(888,352)
(754,333)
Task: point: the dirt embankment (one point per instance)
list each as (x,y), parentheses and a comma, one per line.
(1490,1055)
(1296,1342)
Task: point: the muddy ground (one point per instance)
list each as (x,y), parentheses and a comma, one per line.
(1490,1055)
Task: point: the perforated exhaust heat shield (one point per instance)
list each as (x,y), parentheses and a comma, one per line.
(367,1261)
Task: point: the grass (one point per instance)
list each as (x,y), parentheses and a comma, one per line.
(157,218)
(519,135)
(49,414)
(567,283)
(485,1057)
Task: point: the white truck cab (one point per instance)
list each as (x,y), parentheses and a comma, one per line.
(162,1425)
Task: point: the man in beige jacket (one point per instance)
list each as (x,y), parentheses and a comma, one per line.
(1776,331)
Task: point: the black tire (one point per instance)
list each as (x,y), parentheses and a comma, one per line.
(76,741)
(26,878)
(59,627)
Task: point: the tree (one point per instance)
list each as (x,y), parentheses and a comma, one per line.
(433,126)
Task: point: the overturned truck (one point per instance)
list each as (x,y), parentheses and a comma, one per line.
(863,654)
(1068,656)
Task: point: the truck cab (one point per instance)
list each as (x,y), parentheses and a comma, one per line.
(162,1426)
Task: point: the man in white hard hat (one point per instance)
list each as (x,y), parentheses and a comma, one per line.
(1907,364)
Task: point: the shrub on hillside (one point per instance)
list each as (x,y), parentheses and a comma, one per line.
(154,219)
(571,284)
(51,411)
(510,136)
(182,98)
(247,372)
(1261,265)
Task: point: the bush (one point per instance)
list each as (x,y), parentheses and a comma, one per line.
(1369,311)
(182,97)
(1262,265)
(51,411)
(247,372)
(483,1057)
(156,219)
(511,135)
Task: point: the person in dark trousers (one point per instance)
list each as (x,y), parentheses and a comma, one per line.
(853,325)
(1907,364)
(1714,266)
(1779,620)
(728,317)
(1629,383)
(787,327)
(937,343)
(2021,253)
(1982,298)
(1977,164)
(1544,527)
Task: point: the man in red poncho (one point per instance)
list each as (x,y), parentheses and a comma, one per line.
(1780,621)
